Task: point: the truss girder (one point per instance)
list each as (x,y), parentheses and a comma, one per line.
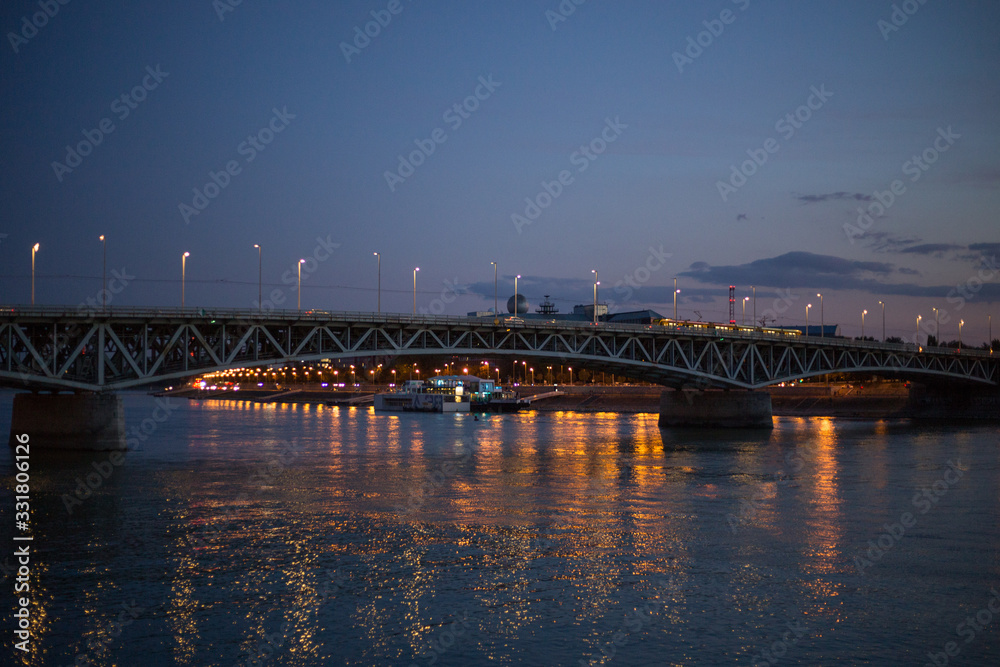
(117,350)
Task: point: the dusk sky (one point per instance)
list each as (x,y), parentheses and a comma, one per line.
(636,143)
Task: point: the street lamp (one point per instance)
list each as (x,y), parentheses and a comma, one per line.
(104,274)
(34,249)
(496,313)
(301,262)
(260,275)
(745,299)
(571,375)
(917,339)
(808,306)
(882,303)
(415,290)
(515,294)
(379,288)
(937,330)
(532,376)
(183,274)
(989,323)
(596,283)
(822,317)
(960,324)
(863,313)
(754,288)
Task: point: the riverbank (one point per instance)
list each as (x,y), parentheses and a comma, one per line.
(881,401)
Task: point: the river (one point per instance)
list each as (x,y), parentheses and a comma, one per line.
(242,533)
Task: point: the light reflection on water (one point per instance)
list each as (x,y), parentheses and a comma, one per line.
(316,535)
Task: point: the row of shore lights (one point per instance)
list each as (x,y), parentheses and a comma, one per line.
(378,256)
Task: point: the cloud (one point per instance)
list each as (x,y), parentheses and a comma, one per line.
(834,196)
(886,242)
(936,249)
(810,271)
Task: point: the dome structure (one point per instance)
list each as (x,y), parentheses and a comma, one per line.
(522,305)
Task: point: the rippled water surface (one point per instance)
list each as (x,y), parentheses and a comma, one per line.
(239,533)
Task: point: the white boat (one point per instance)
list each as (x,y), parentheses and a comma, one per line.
(424,396)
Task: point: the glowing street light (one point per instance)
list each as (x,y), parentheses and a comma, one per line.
(596,283)
(745,299)
(301,262)
(808,306)
(34,249)
(882,303)
(571,375)
(754,288)
(104,274)
(415,290)
(937,330)
(961,323)
(495,312)
(260,276)
(917,339)
(863,313)
(515,294)
(822,317)
(183,274)
(379,288)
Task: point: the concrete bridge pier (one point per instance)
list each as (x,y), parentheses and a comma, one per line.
(89,421)
(716,409)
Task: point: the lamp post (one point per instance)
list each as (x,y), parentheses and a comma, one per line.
(260,276)
(415,290)
(34,249)
(808,306)
(301,262)
(515,294)
(882,303)
(496,313)
(916,340)
(104,274)
(989,323)
(378,303)
(532,376)
(937,329)
(596,283)
(863,313)
(754,288)
(960,324)
(822,317)
(676,292)
(183,274)
(745,299)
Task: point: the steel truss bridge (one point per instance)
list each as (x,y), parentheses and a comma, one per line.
(55,348)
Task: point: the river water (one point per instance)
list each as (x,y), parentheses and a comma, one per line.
(240,533)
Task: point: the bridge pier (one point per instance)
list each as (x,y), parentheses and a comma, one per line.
(93,422)
(717,409)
